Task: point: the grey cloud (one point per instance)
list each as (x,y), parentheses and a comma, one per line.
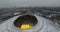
(28,3)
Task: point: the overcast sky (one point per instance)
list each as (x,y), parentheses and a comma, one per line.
(29,3)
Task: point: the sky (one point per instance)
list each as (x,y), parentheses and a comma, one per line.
(29,3)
